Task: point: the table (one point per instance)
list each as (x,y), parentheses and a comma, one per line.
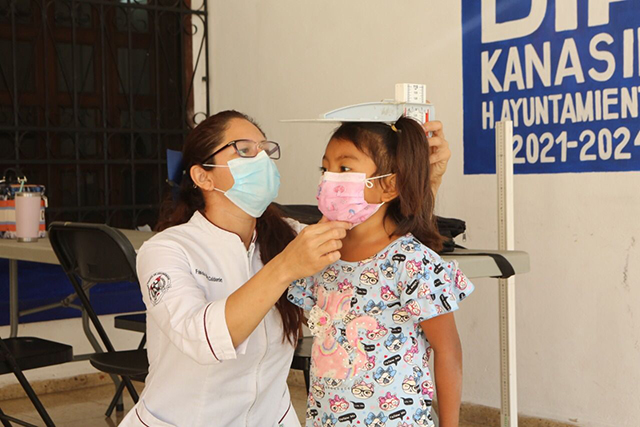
(474,266)
(41,251)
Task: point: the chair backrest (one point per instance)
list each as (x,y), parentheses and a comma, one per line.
(306,214)
(94,252)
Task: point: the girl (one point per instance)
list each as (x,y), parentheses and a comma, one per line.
(379,312)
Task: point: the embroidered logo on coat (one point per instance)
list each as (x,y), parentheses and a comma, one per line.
(158,284)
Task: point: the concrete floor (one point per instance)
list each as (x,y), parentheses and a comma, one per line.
(86,407)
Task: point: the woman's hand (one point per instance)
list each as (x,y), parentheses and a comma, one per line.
(440,153)
(314,248)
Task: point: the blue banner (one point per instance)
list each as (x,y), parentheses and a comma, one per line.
(566,72)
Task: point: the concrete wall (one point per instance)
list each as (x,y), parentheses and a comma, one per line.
(578,311)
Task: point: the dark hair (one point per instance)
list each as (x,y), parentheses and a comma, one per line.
(273,232)
(405,153)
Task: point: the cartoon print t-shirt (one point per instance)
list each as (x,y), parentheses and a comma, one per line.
(370,358)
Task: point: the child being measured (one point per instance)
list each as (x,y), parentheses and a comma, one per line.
(385,307)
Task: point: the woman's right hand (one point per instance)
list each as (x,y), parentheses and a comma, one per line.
(315,247)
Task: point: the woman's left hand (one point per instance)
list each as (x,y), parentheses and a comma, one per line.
(440,152)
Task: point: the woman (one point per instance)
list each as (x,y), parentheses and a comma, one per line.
(221,334)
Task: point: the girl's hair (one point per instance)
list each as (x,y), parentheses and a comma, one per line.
(273,232)
(405,153)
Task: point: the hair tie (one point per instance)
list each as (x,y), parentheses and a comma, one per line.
(394,128)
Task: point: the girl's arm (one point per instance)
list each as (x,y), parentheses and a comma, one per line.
(442,334)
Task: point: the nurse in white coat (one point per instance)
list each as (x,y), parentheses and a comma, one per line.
(220,332)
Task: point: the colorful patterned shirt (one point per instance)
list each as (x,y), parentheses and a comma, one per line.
(370,357)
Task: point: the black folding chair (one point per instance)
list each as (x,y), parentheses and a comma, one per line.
(97,253)
(23,353)
(306,214)
(130,322)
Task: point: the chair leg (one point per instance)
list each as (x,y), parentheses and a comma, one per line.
(34,400)
(116,402)
(11,361)
(82,294)
(307,381)
(132,390)
(5,422)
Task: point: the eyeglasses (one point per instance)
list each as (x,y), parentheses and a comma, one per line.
(249,148)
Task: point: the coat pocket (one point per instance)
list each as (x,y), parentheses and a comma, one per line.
(146,418)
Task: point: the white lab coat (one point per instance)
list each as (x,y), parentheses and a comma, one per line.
(196,376)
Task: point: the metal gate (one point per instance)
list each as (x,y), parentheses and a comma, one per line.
(92,92)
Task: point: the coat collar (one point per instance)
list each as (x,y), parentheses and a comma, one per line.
(203,223)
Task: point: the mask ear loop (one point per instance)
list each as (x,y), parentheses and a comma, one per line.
(369,184)
(209,165)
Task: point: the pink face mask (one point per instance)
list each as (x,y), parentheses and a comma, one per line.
(341,197)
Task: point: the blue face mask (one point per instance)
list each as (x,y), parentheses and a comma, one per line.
(256,183)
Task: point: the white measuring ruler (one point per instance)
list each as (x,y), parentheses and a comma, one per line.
(507,298)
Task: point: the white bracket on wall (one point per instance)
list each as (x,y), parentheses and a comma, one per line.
(507,299)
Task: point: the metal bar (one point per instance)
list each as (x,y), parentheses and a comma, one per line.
(82,357)
(6,419)
(13,364)
(117,397)
(131,123)
(86,327)
(116,400)
(136,5)
(206,40)
(83,162)
(507,309)
(40,309)
(105,111)
(47,112)
(95,129)
(14,47)
(76,135)
(96,208)
(63,304)
(83,289)
(14,315)
(181,77)
(194,67)
(156,30)
(83,293)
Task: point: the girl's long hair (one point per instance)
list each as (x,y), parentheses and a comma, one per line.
(405,153)
(273,232)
